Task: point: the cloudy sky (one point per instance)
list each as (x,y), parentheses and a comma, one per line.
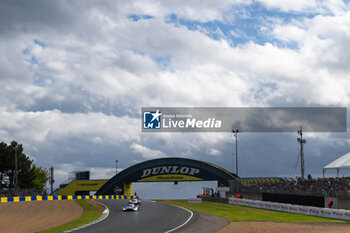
(75,74)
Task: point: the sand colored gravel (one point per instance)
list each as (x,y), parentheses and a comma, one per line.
(271,227)
(30,217)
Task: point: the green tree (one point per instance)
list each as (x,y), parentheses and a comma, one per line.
(24,167)
(4,163)
(29,175)
(41,176)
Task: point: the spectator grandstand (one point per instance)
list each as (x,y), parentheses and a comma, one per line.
(323,186)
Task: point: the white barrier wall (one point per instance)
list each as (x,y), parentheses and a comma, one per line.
(296,209)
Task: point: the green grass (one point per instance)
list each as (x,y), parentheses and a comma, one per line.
(91,211)
(236,213)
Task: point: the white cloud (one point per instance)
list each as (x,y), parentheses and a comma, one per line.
(103,173)
(214,152)
(146,152)
(73,80)
(296,5)
(326,7)
(112,72)
(197,10)
(322,57)
(48,126)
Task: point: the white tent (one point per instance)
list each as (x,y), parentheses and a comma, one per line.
(342,162)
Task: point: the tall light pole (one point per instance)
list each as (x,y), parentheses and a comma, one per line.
(301,141)
(16,170)
(236,131)
(52,181)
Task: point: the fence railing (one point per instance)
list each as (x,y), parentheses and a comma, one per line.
(62,197)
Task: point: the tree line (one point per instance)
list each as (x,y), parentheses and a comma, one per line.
(29,175)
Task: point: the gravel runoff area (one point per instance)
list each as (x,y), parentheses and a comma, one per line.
(272,227)
(30,217)
(207,223)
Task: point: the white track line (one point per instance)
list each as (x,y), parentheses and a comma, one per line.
(106,210)
(183,224)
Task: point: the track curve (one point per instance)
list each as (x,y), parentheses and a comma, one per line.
(152,217)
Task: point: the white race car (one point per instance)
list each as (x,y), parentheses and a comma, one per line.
(135,201)
(131,207)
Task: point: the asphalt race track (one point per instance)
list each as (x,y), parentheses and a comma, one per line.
(152,217)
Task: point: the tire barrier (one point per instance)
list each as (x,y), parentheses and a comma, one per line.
(295,209)
(61,197)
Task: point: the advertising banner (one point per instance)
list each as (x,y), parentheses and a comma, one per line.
(296,209)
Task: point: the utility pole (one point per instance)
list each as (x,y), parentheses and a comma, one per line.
(51,178)
(301,141)
(116,167)
(16,170)
(236,131)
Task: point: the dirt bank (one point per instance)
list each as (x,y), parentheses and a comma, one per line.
(28,217)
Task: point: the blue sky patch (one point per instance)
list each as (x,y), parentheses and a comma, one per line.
(139,17)
(163,62)
(40,82)
(252,23)
(33,60)
(37,42)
